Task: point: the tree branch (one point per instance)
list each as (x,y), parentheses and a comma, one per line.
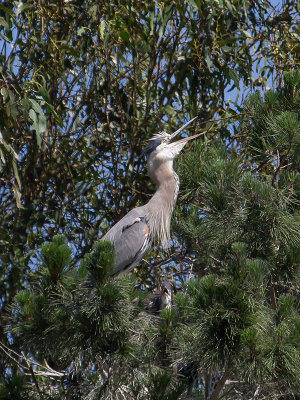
(220,385)
(26,364)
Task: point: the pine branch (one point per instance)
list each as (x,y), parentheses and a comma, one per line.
(273,297)
(27,365)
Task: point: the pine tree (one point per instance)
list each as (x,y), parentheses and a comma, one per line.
(89,334)
(242,223)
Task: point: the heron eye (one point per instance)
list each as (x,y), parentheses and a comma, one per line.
(164,141)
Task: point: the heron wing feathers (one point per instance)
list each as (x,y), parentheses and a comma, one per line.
(131,241)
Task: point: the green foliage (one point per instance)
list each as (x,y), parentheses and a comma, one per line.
(83,85)
(56,256)
(88,324)
(240,219)
(67,316)
(100,261)
(220,313)
(160,385)
(13,387)
(273,133)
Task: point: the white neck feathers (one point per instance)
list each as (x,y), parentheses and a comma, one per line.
(161,205)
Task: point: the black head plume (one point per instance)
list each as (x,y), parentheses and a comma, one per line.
(154,142)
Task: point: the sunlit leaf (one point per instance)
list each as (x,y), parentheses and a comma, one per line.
(17,194)
(23,7)
(234,76)
(37,108)
(4,23)
(45,94)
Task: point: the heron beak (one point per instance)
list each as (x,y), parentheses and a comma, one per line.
(185,140)
(182,128)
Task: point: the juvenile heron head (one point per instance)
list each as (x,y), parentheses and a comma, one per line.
(162,144)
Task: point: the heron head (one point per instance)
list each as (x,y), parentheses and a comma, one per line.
(166,289)
(163,147)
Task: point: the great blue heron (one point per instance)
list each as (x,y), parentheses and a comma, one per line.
(134,234)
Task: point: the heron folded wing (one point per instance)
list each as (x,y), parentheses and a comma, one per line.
(136,220)
(131,245)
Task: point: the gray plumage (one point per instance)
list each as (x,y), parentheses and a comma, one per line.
(135,233)
(161,299)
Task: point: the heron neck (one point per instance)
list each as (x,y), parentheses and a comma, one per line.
(161,205)
(166,192)
(167,182)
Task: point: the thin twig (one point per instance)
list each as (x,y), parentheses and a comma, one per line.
(29,365)
(46,370)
